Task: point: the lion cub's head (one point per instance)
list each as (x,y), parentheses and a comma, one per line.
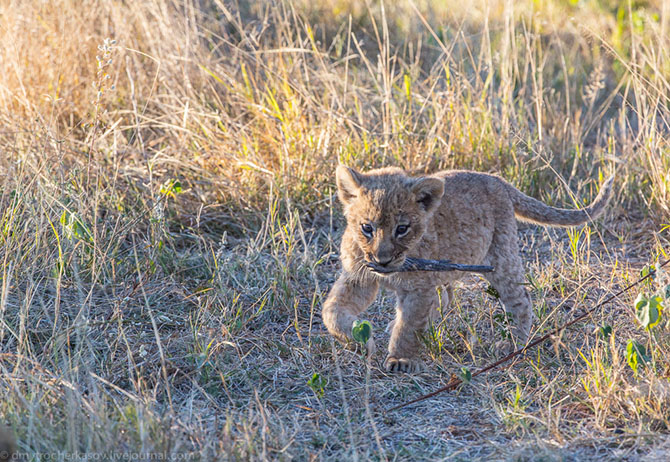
(387,211)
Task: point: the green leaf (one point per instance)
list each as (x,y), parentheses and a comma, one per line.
(502,322)
(492,292)
(636,355)
(605,331)
(631,355)
(74,228)
(648,310)
(640,301)
(655,311)
(666,292)
(361,331)
(408,86)
(465,375)
(171,188)
(318,384)
(650,269)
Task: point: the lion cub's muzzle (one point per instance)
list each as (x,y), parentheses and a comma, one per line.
(386,264)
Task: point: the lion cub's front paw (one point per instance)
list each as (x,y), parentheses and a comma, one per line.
(393,364)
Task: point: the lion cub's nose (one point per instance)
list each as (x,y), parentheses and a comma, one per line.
(383,261)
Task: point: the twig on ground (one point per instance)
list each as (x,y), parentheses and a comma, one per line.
(421,264)
(456,381)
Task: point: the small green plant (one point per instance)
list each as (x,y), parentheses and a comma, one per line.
(361,331)
(650,271)
(171,188)
(318,384)
(493,292)
(74,227)
(205,367)
(604,332)
(432,338)
(502,321)
(573,236)
(636,355)
(465,375)
(516,401)
(648,310)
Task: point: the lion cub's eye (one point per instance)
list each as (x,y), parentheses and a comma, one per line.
(367,229)
(401,230)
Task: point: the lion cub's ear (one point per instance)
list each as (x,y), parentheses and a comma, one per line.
(428,192)
(348,183)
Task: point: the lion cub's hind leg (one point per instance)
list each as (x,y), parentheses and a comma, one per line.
(508,279)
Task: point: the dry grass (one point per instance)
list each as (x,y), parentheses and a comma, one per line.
(167,233)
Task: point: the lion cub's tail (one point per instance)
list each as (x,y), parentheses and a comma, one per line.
(528,209)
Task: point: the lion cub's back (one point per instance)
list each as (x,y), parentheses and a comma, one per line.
(484,192)
(472,205)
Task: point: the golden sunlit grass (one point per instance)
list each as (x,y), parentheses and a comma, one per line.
(168,222)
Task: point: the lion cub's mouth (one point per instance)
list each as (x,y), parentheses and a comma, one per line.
(390,267)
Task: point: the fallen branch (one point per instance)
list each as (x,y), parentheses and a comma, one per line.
(420,264)
(456,381)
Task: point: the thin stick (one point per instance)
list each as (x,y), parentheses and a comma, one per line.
(420,264)
(456,382)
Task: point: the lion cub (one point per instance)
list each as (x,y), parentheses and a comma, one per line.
(462,216)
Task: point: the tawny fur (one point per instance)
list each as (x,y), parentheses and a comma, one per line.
(462,216)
